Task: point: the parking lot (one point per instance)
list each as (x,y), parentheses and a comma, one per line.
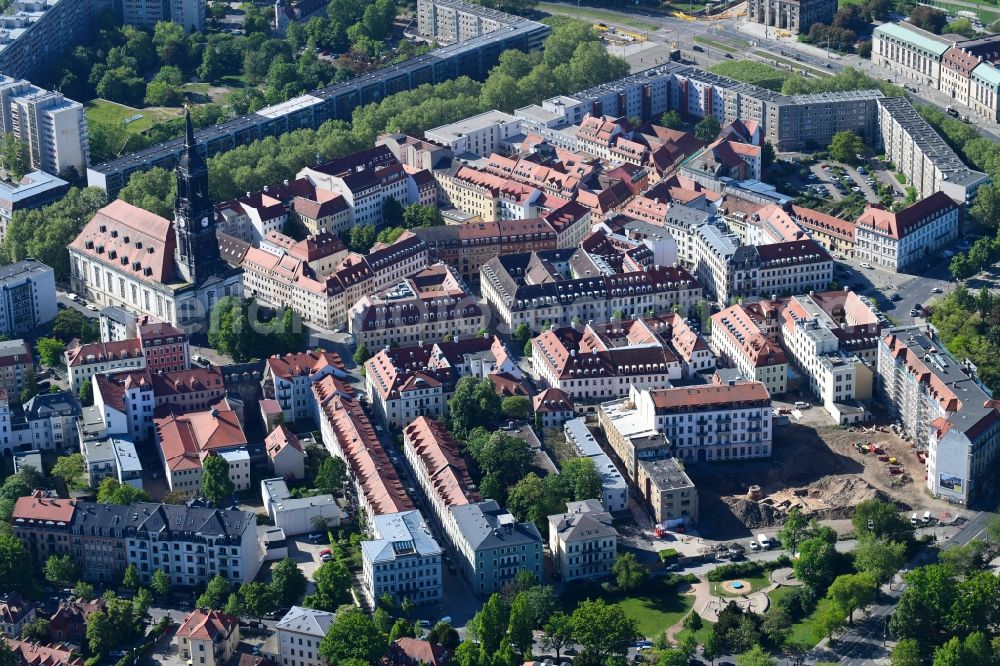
(836,180)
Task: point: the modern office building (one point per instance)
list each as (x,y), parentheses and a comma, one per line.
(27,297)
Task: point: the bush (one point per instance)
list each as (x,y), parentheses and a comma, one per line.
(673,579)
(735,570)
(798,603)
(668,554)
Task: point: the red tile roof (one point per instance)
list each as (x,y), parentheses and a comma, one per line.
(33,654)
(898,225)
(43,509)
(280,439)
(135,240)
(710,395)
(303,363)
(439,455)
(101,352)
(186,439)
(207,625)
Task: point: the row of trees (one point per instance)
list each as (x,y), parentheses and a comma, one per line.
(255,599)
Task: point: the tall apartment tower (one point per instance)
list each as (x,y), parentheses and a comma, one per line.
(54,128)
(146,13)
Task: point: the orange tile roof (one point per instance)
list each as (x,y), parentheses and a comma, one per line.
(135,240)
(439,455)
(187,439)
(303,363)
(206,625)
(710,395)
(44,509)
(33,654)
(280,439)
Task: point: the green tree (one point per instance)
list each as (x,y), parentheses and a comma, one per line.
(885,520)
(110,491)
(515,407)
(361,354)
(70,323)
(985,208)
(793,531)
(61,570)
(216,593)
(522,334)
(923,608)
(852,591)
(583,479)
(215,482)
(906,653)
(288,583)
(152,190)
(928,18)
(628,572)
(418,215)
(331,476)
(979,609)
(444,634)
(101,634)
(71,470)
(49,351)
(15,156)
(829,620)
(36,631)
(15,566)
(257,598)
(707,130)
(490,623)
(846,146)
(603,629)
(881,559)
(402,629)
(521,624)
(557,633)
(333,583)
(142,601)
(672,120)
(756,657)
(160,583)
(473,403)
(7,655)
(83,590)
(815,565)
(353,635)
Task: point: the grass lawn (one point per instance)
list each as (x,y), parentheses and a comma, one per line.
(803,632)
(101,110)
(757,583)
(655,608)
(701,635)
(987,16)
(596,15)
(711,42)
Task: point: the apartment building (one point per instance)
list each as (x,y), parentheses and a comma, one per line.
(582,541)
(324,301)
(144,14)
(16,366)
(908,51)
(15,612)
(187,440)
(285,453)
(69,622)
(822,348)
(492,546)
(944,408)
(432,305)
(300,632)
(552,408)
(27,297)
(347,433)
(110,456)
(289,379)
(555,287)
(406,382)
(208,637)
(36,30)
(614,489)
(898,241)
(34,190)
(190,544)
(402,560)
(795,17)
(668,489)
(745,335)
(47,422)
(603,360)
(450,21)
(920,153)
(833,233)
(481,134)
(727,269)
(467,247)
(126,401)
(53,128)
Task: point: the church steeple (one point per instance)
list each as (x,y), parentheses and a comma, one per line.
(194,218)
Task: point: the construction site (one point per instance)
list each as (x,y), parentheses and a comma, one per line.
(823,470)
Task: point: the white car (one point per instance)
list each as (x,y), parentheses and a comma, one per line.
(937,290)
(865,264)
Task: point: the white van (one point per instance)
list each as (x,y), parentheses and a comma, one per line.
(801,405)
(927,517)
(913,519)
(765,543)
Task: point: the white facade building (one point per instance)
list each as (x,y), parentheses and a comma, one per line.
(582,541)
(27,297)
(614,489)
(909,238)
(402,560)
(53,128)
(300,632)
(298,516)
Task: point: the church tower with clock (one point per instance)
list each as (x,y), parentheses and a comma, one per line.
(197,254)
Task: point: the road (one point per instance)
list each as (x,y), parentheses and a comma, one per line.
(865,641)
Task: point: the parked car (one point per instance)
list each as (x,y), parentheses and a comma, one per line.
(937,290)
(865,264)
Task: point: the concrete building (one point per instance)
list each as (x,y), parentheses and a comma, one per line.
(53,128)
(450,21)
(920,153)
(111,455)
(912,236)
(300,632)
(145,14)
(481,135)
(984,91)
(795,16)
(746,336)
(944,407)
(582,541)
(208,637)
(289,379)
(909,51)
(432,304)
(34,190)
(402,560)
(35,31)
(27,297)
(614,489)
(669,491)
(16,365)
(298,516)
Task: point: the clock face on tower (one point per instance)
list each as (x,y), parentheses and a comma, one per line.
(204,222)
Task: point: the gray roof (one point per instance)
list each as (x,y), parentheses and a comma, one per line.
(306,621)
(46,405)
(14,348)
(667,473)
(398,535)
(486,526)
(171,522)
(583,521)
(22,269)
